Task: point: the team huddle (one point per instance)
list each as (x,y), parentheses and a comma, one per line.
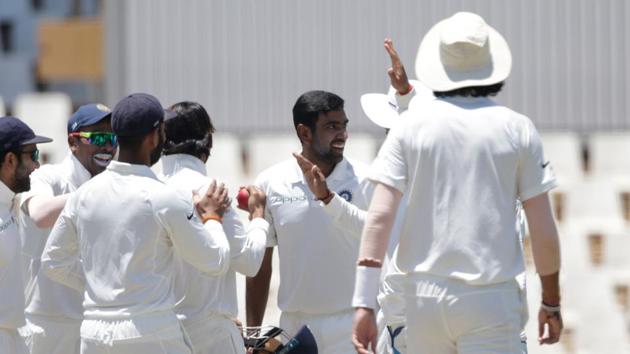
(417,253)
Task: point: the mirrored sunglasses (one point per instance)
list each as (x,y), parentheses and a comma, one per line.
(97,138)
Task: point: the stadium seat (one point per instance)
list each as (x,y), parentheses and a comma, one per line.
(564,151)
(361,147)
(47,114)
(594,201)
(265,150)
(610,155)
(589,336)
(226,161)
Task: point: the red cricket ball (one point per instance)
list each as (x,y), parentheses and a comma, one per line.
(242,198)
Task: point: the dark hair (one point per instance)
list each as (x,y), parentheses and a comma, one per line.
(313,103)
(472,91)
(190,131)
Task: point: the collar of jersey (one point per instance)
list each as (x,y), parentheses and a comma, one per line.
(468,101)
(77,173)
(124,168)
(171,164)
(6,195)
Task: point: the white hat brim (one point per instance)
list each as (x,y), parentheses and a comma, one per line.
(379,109)
(431,71)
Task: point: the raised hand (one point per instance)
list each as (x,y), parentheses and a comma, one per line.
(314,178)
(397,74)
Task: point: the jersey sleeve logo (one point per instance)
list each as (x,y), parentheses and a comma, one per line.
(346,194)
(545,164)
(191,214)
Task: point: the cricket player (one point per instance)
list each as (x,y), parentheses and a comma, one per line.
(119,233)
(315,252)
(206,305)
(19,157)
(463,161)
(54,311)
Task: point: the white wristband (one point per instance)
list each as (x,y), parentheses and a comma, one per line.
(549,308)
(366,287)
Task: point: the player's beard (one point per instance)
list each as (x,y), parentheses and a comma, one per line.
(157,152)
(327,154)
(22,179)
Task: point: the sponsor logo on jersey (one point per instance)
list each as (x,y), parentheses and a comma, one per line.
(5,225)
(288,199)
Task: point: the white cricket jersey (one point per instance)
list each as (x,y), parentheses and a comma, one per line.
(197,293)
(12,302)
(317,254)
(44,296)
(463,162)
(117,236)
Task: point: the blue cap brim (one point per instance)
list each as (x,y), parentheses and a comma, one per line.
(37,140)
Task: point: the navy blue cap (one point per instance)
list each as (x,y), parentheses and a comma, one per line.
(87,115)
(137,114)
(15,133)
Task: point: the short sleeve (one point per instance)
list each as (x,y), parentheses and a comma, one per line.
(535,172)
(390,167)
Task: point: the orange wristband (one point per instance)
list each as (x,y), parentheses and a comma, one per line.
(204,219)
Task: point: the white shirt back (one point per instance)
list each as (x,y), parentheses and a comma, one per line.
(117,236)
(463,163)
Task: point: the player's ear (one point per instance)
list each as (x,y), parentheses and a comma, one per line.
(304,133)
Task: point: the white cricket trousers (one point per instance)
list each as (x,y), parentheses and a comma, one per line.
(52,335)
(11,342)
(155,334)
(447,316)
(332,332)
(214,334)
(391,337)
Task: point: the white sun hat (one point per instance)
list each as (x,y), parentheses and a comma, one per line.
(382,109)
(462,51)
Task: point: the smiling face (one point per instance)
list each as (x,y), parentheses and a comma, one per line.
(93,157)
(329,136)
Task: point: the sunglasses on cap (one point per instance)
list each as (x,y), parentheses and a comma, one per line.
(97,138)
(34,154)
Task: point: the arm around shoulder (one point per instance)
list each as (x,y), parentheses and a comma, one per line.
(44,210)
